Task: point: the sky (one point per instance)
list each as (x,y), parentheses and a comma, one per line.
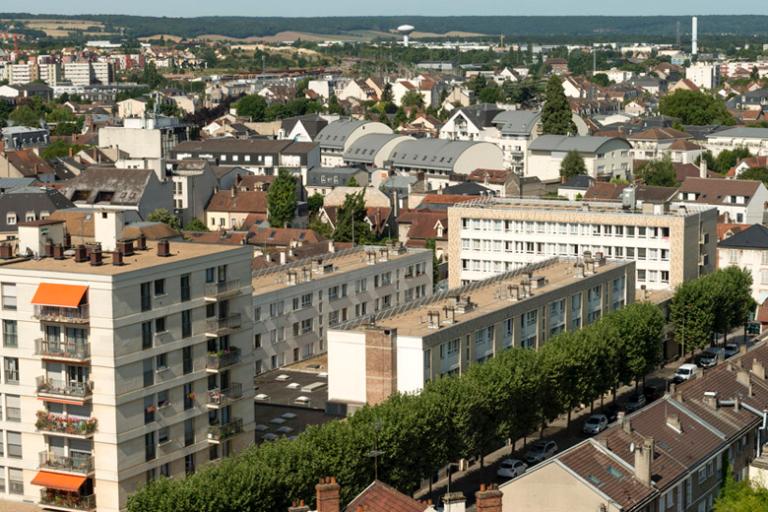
(189,8)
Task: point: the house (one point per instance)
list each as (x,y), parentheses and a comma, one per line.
(379,219)
(604,157)
(557,66)
(684,85)
(670,455)
(109,188)
(575,187)
(131,107)
(321,180)
(468,188)
(740,201)
(18,137)
(636,108)
(28,204)
(302,128)
(234,210)
(416,227)
(637,194)
(379,497)
(428,88)
(25,163)
(704,75)
(650,84)
(684,151)
(752,162)
(748,249)
(336,138)
(504,183)
(458,96)
(281,238)
(754,139)
(193,184)
(359,91)
(654,143)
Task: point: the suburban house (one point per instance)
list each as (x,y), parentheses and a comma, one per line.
(28,204)
(235,210)
(301,128)
(25,163)
(322,180)
(604,157)
(739,201)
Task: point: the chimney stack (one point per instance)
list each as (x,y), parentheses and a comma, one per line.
(6,252)
(758,370)
(703,171)
(643,460)
(58,252)
(710,399)
(454,502)
(48,248)
(328,495)
(298,507)
(117,258)
(96,257)
(142,242)
(488,499)
(81,254)
(163,248)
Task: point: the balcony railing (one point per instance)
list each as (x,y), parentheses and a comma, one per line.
(225,431)
(219,325)
(78,315)
(220,397)
(73,425)
(72,464)
(79,351)
(65,388)
(216,291)
(223,358)
(67,500)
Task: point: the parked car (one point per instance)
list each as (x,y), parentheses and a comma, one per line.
(540,451)
(611,412)
(595,424)
(685,372)
(730,350)
(511,468)
(711,357)
(654,391)
(635,402)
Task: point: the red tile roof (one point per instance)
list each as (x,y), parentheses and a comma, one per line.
(445,199)
(711,191)
(496,176)
(423,224)
(659,134)
(241,202)
(380,497)
(724,230)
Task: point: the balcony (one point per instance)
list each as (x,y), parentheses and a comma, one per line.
(63,390)
(218,433)
(67,351)
(222,290)
(55,314)
(81,464)
(222,397)
(66,501)
(69,426)
(215,327)
(222,359)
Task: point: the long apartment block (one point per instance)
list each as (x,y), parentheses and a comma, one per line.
(670,243)
(296,303)
(121,363)
(401,349)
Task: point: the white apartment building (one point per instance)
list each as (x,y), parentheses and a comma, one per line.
(604,157)
(449,332)
(122,368)
(748,249)
(88,73)
(754,139)
(19,74)
(670,244)
(295,304)
(705,75)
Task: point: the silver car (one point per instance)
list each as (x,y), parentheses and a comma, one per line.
(595,424)
(540,451)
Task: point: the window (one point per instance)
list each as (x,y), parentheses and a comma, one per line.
(210,274)
(165,470)
(306,300)
(160,324)
(8,296)
(14,445)
(15,481)
(189,463)
(151,475)
(149,446)
(333,293)
(210,310)
(149,409)
(257,341)
(13,408)
(10,335)
(149,372)
(186,323)
(189,396)
(702,474)
(276,309)
(189,431)
(186,358)
(163,398)
(159,287)
(146,335)
(11,368)
(146,299)
(163,435)
(186,291)
(161,361)
(213,452)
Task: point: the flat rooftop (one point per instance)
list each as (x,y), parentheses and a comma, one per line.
(276,278)
(137,261)
(486,296)
(675,209)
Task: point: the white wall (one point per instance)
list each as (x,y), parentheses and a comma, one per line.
(410,364)
(346,366)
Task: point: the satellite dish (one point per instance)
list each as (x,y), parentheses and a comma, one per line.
(631,447)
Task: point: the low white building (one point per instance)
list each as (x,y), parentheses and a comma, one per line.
(604,157)
(742,201)
(754,139)
(336,138)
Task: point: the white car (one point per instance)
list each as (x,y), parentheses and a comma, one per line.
(511,468)
(595,424)
(685,372)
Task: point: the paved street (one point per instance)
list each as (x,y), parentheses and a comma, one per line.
(469,481)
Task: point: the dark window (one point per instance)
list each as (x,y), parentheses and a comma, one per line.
(186,323)
(189,396)
(146,335)
(210,310)
(146,298)
(186,357)
(159,287)
(213,452)
(165,469)
(10,336)
(160,324)
(149,446)
(149,409)
(151,475)
(210,275)
(149,372)
(189,431)
(186,292)
(257,341)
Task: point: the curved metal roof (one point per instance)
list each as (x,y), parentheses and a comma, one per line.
(336,133)
(430,153)
(365,149)
(582,144)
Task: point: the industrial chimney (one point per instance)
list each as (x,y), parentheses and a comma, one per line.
(694,36)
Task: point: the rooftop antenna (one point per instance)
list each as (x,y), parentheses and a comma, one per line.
(376,453)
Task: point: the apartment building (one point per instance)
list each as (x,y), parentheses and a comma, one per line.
(120,368)
(704,75)
(754,139)
(748,249)
(402,348)
(670,455)
(295,304)
(88,73)
(669,243)
(604,157)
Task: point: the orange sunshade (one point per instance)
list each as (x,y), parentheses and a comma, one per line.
(58,481)
(59,295)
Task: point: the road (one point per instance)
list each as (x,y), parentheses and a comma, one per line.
(469,480)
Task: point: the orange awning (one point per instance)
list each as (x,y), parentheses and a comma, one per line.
(58,481)
(59,295)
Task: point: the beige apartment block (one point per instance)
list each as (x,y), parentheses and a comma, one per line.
(405,347)
(120,367)
(296,303)
(669,243)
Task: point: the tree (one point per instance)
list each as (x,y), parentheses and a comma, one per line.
(166,217)
(315,202)
(58,149)
(352,182)
(195,225)
(556,115)
(693,107)
(282,199)
(24,115)
(386,93)
(709,158)
(743,496)
(412,99)
(601,79)
(432,244)
(252,106)
(350,220)
(658,173)
(727,158)
(572,165)
(490,94)
(754,75)
(755,173)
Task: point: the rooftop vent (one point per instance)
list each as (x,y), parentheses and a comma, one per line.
(434,319)
(293,385)
(125,247)
(117,259)
(96,257)
(58,252)
(710,399)
(282,377)
(262,397)
(81,254)
(673,422)
(464,304)
(163,248)
(142,242)
(6,251)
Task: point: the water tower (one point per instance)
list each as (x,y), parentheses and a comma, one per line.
(406,30)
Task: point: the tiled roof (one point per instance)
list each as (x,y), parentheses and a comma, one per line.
(423,223)
(725,230)
(242,202)
(495,176)
(754,237)
(659,134)
(281,236)
(711,191)
(684,145)
(380,497)
(28,163)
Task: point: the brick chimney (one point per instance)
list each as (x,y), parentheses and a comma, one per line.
(328,496)
(298,507)
(488,499)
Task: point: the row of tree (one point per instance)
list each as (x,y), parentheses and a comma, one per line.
(508,397)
